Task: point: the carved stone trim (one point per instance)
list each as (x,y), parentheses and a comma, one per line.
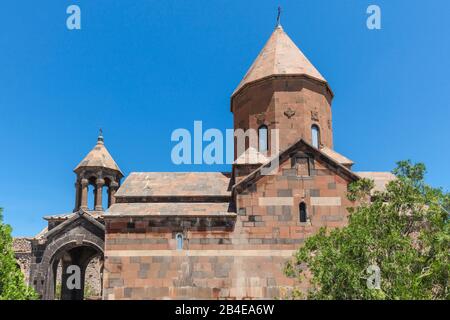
(289,113)
(260,117)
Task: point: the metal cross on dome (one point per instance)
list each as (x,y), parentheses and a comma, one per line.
(100,135)
(279,16)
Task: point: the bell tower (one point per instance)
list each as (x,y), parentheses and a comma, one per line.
(99,170)
(283,90)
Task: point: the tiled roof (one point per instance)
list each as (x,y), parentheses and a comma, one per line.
(381,179)
(65,216)
(62,216)
(336,156)
(41,233)
(280,56)
(63,226)
(170,209)
(98,157)
(148,184)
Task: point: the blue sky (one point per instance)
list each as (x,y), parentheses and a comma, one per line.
(140,69)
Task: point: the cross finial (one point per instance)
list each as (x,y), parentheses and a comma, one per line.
(279,17)
(100,136)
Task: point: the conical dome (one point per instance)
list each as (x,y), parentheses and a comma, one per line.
(280,56)
(98,157)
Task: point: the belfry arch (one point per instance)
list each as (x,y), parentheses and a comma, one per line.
(70,259)
(99,181)
(73,243)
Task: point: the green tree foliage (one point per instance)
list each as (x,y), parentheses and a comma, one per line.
(12,283)
(403,231)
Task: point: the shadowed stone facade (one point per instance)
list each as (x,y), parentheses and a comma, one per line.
(22,250)
(211,235)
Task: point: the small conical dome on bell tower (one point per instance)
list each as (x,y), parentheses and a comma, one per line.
(98,169)
(98,157)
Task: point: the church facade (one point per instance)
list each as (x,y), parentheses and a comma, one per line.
(211,235)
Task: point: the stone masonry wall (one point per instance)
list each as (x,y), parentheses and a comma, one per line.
(290,105)
(243,262)
(22,251)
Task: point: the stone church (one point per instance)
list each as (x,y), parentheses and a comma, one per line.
(209,235)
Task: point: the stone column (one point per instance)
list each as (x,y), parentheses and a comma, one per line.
(66,262)
(112,192)
(77,196)
(99,193)
(84,194)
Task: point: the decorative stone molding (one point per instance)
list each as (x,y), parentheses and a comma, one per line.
(289,113)
(260,117)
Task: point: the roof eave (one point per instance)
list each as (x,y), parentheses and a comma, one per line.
(147,215)
(79,168)
(275,76)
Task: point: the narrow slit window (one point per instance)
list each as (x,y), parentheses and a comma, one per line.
(315,136)
(303,212)
(180,239)
(263,138)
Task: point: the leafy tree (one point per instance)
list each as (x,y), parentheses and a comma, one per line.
(403,231)
(12,283)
